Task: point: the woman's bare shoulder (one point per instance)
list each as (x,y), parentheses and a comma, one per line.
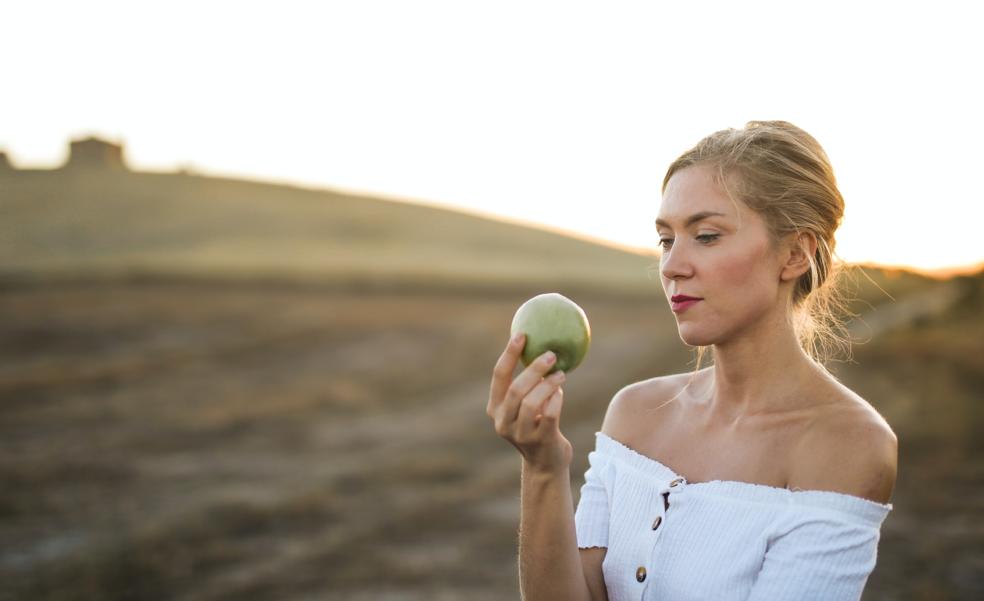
(644,403)
(850,449)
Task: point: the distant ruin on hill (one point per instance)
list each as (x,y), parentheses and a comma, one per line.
(84,153)
(92,153)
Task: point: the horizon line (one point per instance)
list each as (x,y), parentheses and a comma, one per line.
(188,169)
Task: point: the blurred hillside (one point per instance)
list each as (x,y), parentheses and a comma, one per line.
(213,389)
(113,223)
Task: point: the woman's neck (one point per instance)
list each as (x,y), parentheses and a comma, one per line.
(760,372)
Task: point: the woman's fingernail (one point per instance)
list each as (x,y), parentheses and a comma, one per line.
(551,357)
(517,337)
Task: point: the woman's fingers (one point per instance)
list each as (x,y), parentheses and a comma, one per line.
(518,406)
(551,410)
(534,404)
(526,410)
(524,383)
(549,420)
(503,371)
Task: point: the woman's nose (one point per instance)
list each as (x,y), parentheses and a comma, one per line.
(674,264)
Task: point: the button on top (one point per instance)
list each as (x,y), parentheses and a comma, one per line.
(676,483)
(657,522)
(641,574)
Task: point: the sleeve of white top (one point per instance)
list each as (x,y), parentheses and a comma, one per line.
(817,554)
(592,514)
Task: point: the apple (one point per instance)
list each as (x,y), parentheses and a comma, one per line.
(553,322)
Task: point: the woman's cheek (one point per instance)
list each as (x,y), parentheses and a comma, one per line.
(735,268)
(742,276)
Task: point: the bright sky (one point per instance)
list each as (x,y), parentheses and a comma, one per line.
(560,113)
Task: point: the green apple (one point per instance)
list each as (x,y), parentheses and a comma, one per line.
(553,322)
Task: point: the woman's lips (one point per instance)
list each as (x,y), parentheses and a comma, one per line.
(681,302)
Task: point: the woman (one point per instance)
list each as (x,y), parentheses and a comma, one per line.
(758,477)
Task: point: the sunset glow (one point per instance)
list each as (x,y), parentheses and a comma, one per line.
(556,113)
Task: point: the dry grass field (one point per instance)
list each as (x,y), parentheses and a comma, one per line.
(170,440)
(198,437)
(162,440)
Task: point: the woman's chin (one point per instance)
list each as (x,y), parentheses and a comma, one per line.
(693,337)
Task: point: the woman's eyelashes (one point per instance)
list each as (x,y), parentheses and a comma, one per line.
(708,238)
(666,243)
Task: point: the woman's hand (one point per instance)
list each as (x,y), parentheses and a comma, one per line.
(526,411)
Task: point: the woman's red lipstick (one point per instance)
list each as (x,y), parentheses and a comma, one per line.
(681,302)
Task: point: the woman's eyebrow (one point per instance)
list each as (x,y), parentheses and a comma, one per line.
(693,218)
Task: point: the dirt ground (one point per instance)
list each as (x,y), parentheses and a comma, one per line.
(196,441)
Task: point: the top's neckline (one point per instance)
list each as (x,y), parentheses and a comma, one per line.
(757,492)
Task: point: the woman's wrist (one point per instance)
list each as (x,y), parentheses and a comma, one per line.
(540,474)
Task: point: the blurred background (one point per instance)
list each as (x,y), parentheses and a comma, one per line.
(257,263)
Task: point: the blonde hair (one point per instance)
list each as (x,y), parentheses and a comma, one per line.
(783,174)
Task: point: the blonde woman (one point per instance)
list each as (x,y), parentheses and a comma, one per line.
(758,477)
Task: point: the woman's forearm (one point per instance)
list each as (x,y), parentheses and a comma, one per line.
(549,562)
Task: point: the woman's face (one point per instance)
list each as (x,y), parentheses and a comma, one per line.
(719,252)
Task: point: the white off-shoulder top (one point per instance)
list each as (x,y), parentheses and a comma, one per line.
(673,540)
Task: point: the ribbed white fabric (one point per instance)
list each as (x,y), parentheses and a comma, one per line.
(720,540)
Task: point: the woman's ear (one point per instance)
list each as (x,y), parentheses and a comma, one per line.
(799,247)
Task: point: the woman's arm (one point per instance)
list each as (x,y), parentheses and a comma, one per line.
(817,556)
(591,561)
(827,556)
(526,412)
(549,562)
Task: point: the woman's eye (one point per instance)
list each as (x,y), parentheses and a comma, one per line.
(665,243)
(705,238)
